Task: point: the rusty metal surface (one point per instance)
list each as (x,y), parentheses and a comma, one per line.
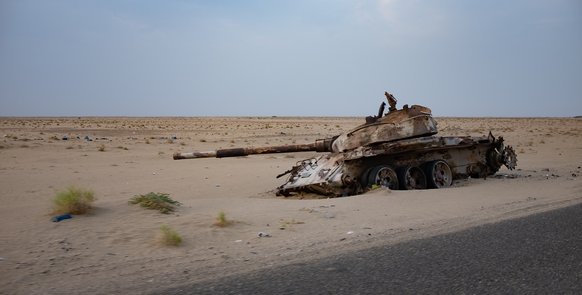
(321,175)
(399,141)
(322,145)
(194,155)
(466,156)
(396,125)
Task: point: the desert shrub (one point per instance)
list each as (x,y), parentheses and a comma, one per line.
(221,220)
(169,237)
(156,201)
(73,200)
(101,148)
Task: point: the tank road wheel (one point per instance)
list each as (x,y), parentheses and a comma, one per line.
(439,174)
(364,178)
(412,177)
(383,176)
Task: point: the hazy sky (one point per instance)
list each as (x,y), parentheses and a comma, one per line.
(296,57)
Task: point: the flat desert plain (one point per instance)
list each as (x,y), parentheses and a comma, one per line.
(114,248)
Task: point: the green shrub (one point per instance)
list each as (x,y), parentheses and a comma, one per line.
(221,220)
(170,237)
(156,201)
(73,200)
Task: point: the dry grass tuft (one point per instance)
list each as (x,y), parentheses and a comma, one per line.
(221,220)
(169,237)
(285,223)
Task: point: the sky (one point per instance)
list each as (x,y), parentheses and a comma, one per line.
(500,58)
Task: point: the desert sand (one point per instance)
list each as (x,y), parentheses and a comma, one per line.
(114,248)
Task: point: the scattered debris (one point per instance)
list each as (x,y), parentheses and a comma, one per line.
(61,217)
(263,235)
(308,210)
(507,176)
(329,215)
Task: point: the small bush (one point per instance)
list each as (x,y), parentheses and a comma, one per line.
(101,148)
(156,201)
(169,237)
(73,200)
(221,220)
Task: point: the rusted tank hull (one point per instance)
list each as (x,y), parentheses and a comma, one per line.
(353,172)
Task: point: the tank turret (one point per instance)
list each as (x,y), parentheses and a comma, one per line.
(408,122)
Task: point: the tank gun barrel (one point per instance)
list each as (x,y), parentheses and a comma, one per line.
(321,145)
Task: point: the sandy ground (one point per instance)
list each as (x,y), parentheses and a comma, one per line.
(114,248)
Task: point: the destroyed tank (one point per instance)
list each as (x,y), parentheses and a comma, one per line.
(396,150)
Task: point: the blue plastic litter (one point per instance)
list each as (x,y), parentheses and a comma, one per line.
(61,217)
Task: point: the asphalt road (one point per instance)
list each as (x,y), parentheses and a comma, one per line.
(538,254)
